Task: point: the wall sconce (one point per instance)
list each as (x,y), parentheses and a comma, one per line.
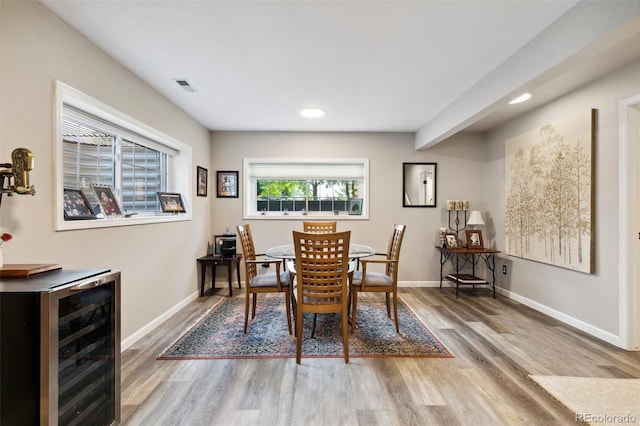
(15,177)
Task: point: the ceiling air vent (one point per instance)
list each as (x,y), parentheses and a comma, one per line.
(185,85)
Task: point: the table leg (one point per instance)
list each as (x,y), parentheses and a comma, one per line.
(238,271)
(229,271)
(203,273)
(213,276)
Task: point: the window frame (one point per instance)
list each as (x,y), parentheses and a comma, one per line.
(249,196)
(179,174)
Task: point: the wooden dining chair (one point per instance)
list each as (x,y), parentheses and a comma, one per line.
(267,282)
(314,227)
(320,227)
(321,280)
(387,282)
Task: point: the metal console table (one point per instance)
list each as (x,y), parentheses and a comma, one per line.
(460,257)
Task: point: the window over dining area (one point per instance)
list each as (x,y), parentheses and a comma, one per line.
(294,188)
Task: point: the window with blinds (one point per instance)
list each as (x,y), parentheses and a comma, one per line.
(308,187)
(102,154)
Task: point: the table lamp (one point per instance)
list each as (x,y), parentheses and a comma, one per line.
(475,219)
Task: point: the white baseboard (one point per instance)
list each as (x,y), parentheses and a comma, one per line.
(129,341)
(567,319)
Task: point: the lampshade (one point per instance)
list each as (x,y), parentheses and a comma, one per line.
(475,218)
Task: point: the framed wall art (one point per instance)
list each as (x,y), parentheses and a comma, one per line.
(171,202)
(201,179)
(107,200)
(549,193)
(76,206)
(227,184)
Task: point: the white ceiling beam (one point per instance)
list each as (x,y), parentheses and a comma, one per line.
(543,58)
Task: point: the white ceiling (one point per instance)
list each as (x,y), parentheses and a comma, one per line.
(371,65)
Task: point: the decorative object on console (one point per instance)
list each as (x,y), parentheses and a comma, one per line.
(171,202)
(474,238)
(454,207)
(475,219)
(549,178)
(451,241)
(15,177)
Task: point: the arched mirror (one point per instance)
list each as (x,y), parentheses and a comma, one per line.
(419,184)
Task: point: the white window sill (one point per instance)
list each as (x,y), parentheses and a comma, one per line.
(69,225)
(298,216)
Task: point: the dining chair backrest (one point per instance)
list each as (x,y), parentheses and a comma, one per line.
(393,252)
(322,279)
(248,250)
(320,227)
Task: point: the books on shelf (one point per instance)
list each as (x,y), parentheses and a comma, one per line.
(466,279)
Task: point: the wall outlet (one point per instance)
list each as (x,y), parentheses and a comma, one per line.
(504,269)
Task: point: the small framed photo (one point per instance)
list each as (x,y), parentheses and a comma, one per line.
(76,206)
(227,184)
(451,241)
(201,178)
(474,238)
(355,206)
(171,202)
(107,200)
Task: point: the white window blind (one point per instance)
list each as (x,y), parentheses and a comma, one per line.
(306,170)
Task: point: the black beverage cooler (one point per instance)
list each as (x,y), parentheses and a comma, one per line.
(60,348)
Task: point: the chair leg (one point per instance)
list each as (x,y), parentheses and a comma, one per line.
(287,297)
(388,305)
(395,311)
(298,335)
(246,311)
(354,309)
(345,334)
(253,310)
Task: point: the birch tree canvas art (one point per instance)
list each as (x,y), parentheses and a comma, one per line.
(549,193)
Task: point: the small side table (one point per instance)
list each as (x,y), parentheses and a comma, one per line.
(218,260)
(472,256)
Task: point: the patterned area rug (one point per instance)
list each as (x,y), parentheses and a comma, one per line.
(218,334)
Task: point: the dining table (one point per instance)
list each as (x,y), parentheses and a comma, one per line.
(287,253)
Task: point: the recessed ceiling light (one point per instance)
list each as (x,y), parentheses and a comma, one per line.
(312,113)
(521,98)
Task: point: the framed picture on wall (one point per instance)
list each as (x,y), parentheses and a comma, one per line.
(227,184)
(201,179)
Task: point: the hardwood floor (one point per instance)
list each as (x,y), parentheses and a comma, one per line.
(498,343)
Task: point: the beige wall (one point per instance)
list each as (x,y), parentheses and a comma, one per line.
(459,176)
(157,261)
(588,301)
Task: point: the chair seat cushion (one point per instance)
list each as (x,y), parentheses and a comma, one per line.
(374,279)
(269,280)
